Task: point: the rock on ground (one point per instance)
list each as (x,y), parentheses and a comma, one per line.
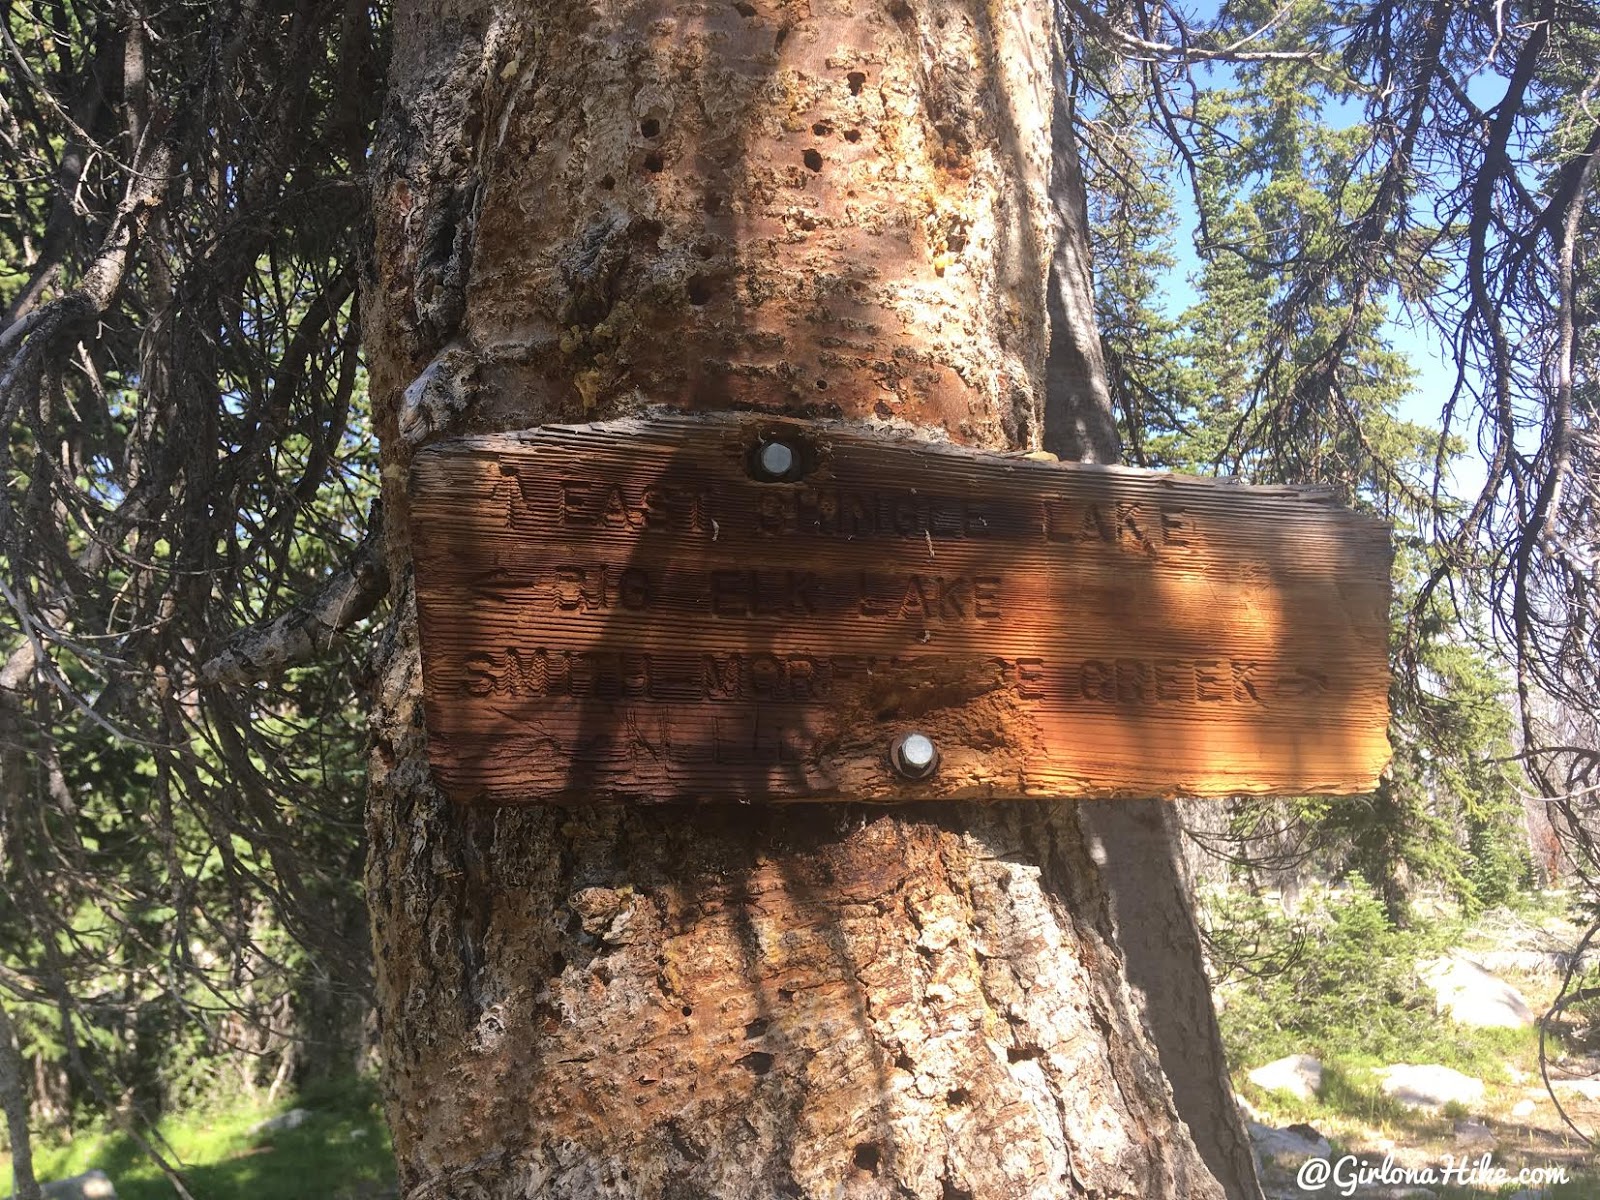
(1589,1089)
(1523,1108)
(1287,1148)
(292,1119)
(1298,1074)
(1430,1085)
(91,1185)
(1530,962)
(1473,996)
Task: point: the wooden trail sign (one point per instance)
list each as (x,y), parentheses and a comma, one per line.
(738,607)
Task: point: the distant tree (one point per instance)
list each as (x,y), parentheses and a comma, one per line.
(1314,227)
(184,450)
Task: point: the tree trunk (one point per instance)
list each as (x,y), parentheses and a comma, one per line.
(1135,842)
(582,210)
(14,1101)
(1137,845)
(14,774)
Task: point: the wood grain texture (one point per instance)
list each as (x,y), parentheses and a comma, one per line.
(623,612)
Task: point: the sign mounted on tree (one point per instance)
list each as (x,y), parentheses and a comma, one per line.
(747,608)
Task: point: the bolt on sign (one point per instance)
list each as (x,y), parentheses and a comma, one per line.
(746,608)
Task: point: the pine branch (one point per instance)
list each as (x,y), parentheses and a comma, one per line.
(299,635)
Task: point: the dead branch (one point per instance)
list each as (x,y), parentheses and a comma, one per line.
(309,628)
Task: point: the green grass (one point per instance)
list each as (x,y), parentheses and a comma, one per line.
(1351,1101)
(342,1152)
(1348,993)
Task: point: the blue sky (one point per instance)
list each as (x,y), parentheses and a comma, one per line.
(1432,361)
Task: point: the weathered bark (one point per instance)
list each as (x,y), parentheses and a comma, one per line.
(1079,425)
(14,674)
(14,1100)
(582,210)
(1135,842)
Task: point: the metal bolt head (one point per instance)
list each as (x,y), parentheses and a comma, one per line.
(776,460)
(914,756)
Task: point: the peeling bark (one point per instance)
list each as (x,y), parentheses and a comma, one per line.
(582,210)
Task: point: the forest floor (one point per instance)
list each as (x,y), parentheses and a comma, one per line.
(338,1150)
(1518,1124)
(339,1140)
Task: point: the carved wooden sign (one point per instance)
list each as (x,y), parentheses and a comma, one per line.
(746,608)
